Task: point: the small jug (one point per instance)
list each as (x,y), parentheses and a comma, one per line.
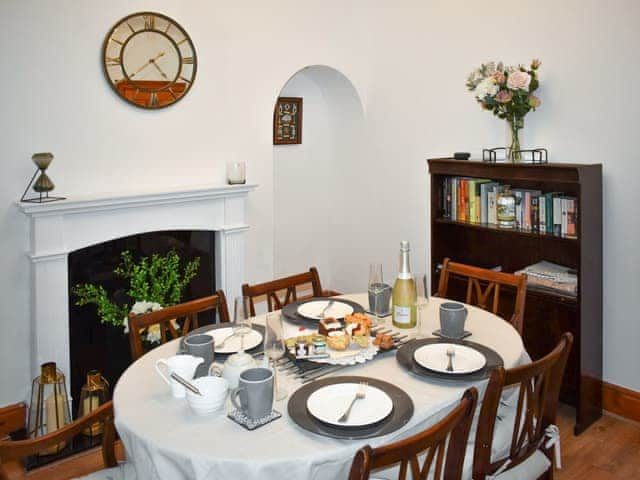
(233,367)
(183,365)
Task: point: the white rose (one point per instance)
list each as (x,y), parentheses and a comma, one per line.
(486,87)
(519,80)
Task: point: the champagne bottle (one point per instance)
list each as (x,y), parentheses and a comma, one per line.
(404,294)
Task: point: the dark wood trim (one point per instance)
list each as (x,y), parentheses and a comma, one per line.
(12,417)
(621,401)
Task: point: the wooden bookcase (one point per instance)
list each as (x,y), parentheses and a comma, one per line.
(547,315)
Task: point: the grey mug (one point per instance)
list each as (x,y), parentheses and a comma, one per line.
(254,395)
(452,318)
(200,345)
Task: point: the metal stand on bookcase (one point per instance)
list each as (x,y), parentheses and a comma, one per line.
(533,155)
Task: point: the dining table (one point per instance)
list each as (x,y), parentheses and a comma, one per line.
(164,439)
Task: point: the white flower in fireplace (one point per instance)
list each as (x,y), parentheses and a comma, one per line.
(153,333)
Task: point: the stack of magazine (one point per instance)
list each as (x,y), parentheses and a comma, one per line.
(551,277)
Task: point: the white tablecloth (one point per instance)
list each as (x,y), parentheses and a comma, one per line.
(165,440)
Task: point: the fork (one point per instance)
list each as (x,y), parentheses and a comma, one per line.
(360,393)
(326,309)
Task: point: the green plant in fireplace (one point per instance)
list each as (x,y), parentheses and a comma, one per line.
(154,282)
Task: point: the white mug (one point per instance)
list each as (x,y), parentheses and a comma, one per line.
(183,365)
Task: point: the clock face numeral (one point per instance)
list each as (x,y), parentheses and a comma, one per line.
(133,30)
(113,61)
(149,22)
(153,99)
(182,41)
(187,60)
(184,79)
(111,39)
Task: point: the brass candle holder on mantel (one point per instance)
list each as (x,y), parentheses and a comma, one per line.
(43,185)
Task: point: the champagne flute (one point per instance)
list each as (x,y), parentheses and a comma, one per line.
(422,301)
(274,348)
(376,287)
(241,319)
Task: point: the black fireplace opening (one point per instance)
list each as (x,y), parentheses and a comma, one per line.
(95,346)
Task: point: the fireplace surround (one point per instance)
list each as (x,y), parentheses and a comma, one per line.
(56,229)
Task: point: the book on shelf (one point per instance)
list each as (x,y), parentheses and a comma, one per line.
(550,276)
(474,200)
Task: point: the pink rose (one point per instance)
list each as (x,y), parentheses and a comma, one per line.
(504,96)
(498,77)
(519,80)
(534,102)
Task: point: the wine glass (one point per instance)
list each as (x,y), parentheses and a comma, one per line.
(241,319)
(422,302)
(376,287)
(274,348)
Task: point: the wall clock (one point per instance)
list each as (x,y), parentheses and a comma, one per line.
(149,60)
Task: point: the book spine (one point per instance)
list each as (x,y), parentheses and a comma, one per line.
(484,189)
(463,206)
(564,224)
(454,198)
(549,211)
(526,214)
(572,211)
(492,213)
(535,213)
(557,216)
(542,208)
(472,200)
(446,198)
(519,205)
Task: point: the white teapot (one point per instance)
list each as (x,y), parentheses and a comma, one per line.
(233,367)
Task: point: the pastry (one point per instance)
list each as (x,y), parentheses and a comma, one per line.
(338,340)
(358,326)
(385,342)
(327,325)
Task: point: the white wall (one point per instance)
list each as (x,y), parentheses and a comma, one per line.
(408,62)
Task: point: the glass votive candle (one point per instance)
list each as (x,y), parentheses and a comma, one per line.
(236,173)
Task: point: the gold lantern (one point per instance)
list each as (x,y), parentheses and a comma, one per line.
(49,408)
(94,393)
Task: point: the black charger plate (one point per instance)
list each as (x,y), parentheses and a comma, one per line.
(291,310)
(401,414)
(216,326)
(405,358)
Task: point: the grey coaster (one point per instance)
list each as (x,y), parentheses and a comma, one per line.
(438,333)
(250,424)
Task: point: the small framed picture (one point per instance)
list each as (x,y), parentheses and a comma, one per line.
(287,121)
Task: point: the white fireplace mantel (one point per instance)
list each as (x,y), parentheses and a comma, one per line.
(59,228)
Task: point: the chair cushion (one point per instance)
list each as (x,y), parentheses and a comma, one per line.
(531,469)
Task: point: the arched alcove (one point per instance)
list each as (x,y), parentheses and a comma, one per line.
(311,180)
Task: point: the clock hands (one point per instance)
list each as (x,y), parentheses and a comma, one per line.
(164,75)
(149,62)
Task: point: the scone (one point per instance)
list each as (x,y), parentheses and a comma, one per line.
(338,340)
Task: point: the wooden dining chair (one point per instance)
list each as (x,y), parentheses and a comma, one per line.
(282,291)
(12,452)
(483,288)
(186,312)
(537,389)
(443,445)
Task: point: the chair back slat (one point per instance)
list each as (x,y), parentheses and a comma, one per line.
(538,390)
(443,446)
(184,314)
(282,291)
(484,288)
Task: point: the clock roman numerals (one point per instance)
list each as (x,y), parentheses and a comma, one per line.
(187,61)
(153,100)
(149,22)
(113,61)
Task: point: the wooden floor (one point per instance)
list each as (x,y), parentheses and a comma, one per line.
(609,449)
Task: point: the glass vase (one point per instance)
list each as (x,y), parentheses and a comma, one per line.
(514,137)
(506,208)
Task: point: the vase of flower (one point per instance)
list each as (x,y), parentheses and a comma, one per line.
(507,92)
(515,126)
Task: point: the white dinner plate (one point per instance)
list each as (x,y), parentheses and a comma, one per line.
(232,344)
(313,310)
(327,404)
(434,357)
